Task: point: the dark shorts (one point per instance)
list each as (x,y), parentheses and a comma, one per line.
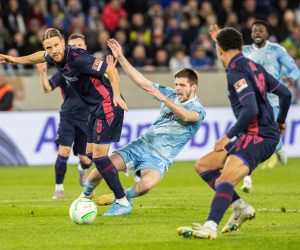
(108,130)
(72,132)
(252,149)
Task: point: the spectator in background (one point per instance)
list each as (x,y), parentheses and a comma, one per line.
(179,60)
(161,60)
(6,95)
(201,61)
(175,44)
(13,18)
(101,45)
(232,20)
(224,11)
(112,12)
(35,18)
(139,58)
(276,31)
(14,69)
(292,43)
(138,26)
(4,37)
(55,12)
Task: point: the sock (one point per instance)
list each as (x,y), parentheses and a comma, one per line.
(123,201)
(130,193)
(221,201)
(110,174)
(210,177)
(59,187)
(89,188)
(60,169)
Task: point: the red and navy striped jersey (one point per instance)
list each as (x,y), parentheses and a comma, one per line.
(248,84)
(87,76)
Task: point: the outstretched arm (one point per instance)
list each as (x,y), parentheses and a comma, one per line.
(42,68)
(34,58)
(114,80)
(182,113)
(132,72)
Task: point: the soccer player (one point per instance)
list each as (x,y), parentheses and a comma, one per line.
(97,83)
(251,140)
(72,128)
(277,62)
(153,152)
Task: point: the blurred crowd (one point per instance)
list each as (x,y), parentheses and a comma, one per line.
(155,34)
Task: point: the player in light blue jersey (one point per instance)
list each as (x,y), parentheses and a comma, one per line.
(277,62)
(153,152)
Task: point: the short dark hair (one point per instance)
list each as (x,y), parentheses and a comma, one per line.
(188,73)
(230,38)
(51,32)
(260,22)
(75,36)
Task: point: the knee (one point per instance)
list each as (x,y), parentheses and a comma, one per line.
(200,166)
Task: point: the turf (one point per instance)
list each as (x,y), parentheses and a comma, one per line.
(30,219)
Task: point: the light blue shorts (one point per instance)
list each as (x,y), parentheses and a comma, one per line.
(137,158)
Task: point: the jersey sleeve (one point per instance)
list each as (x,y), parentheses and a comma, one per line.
(88,64)
(241,84)
(196,106)
(56,80)
(289,63)
(48,59)
(164,90)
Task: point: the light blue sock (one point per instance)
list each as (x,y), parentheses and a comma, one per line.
(89,188)
(130,193)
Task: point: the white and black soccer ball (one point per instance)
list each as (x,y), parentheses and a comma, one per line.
(83,211)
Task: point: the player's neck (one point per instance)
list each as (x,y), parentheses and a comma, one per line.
(259,46)
(229,55)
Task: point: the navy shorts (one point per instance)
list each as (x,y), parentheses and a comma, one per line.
(72,132)
(252,149)
(106,130)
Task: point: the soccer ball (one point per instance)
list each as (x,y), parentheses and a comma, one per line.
(83,211)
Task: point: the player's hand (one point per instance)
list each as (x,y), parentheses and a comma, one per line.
(213,31)
(111,61)
(42,67)
(281,128)
(115,47)
(7,59)
(118,101)
(221,143)
(156,93)
(289,81)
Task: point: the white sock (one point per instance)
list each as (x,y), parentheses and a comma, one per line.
(59,187)
(123,201)
(211,224)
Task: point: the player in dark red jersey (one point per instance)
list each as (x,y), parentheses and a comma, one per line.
(97,83)
(72,130)
(251,140)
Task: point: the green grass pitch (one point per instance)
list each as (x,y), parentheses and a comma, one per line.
(30,219)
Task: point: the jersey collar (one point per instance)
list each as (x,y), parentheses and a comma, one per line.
(234,60)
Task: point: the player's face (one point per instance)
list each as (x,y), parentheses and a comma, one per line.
(55,47)
(259,34)
(184,90)
(78,43)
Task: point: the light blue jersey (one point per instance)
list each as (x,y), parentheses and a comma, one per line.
(277,62)
(158,146)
